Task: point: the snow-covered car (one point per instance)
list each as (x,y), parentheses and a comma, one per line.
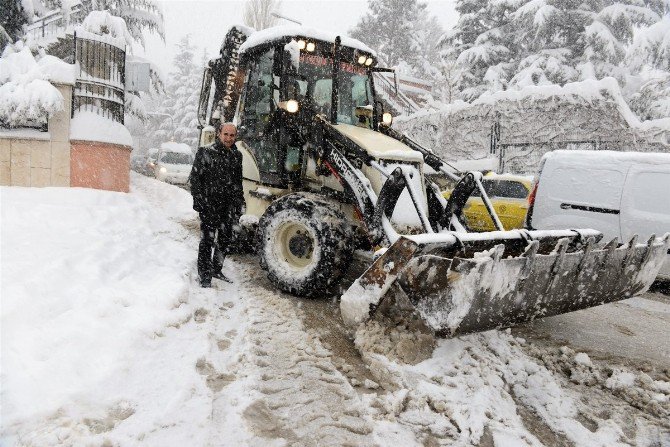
(174,163)
(618,193)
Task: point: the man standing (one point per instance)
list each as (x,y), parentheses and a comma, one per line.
(216,186)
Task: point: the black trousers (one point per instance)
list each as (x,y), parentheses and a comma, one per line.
(213,248)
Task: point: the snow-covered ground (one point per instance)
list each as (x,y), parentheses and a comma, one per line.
(108,340)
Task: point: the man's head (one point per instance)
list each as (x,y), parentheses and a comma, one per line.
(227,134)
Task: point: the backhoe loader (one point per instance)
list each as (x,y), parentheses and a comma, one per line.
(325,174)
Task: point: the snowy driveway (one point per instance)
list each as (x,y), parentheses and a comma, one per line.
(112,342)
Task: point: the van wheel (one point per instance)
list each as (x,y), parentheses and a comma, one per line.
(305,244)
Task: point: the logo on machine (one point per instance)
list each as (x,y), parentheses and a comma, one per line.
(320,61)
(346,170)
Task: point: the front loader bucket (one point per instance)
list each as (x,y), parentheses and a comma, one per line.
(463,283)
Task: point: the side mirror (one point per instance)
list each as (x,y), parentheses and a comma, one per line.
(377,114)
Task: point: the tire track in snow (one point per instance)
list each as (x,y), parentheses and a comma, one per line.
(488,392)
(304,398)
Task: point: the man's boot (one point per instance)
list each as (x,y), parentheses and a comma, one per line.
(221,276)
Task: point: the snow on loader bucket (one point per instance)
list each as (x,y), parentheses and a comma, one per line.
(460,282)
(471,282)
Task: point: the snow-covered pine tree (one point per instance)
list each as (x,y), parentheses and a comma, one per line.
(181,98)
(403,34)
(649,59)
(12,18)
(515,43)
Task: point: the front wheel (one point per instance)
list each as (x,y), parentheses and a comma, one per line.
(305,244)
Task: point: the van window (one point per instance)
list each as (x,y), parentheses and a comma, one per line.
(650,192)
(595,187)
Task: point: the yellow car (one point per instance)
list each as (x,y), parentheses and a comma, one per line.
(508,194)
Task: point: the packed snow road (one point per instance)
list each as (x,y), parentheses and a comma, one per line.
(124,348)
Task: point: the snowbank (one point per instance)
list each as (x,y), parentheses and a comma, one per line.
(180,148)
(74,318)
(89,126)
(26,90)
(100,342)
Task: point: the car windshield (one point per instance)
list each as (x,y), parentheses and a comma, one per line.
(315,82)
(175,158)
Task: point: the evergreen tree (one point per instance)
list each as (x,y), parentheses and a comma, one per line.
(12,18)
(649,59)
(139,15)
(515,43)
(181,98)
(481,44)
(402,33)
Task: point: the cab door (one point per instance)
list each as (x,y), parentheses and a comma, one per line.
(257,109)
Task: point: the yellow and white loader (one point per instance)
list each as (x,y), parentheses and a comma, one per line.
(325,174)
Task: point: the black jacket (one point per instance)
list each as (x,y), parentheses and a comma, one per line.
(216,182)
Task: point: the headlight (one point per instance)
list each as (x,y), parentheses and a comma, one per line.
(387,118)
(291,106)
(163,170)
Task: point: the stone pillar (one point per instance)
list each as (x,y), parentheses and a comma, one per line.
(59,128)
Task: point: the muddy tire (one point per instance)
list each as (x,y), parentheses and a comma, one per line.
(305,244)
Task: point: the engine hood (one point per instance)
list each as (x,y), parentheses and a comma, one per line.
(379,145)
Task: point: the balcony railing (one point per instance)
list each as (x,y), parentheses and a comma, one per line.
(101,79)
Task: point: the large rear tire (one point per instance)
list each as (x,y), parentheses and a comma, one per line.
(305,244)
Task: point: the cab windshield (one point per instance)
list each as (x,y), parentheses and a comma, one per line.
(314,84)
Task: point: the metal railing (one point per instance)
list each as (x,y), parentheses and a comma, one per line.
(99,87)
(399,101)
(53,23)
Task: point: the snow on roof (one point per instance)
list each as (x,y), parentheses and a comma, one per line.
(590,91)
(483,164)
(508,176)
(26,92)
(609,158)
(89,126)
(277,32)
(180,148)
(102,24)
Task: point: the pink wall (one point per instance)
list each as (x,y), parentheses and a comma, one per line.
(100,165)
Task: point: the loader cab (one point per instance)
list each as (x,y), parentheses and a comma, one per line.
(288,81)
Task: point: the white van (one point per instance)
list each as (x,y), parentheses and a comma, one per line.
(617,193)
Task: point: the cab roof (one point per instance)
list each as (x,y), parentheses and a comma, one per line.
(278,33)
